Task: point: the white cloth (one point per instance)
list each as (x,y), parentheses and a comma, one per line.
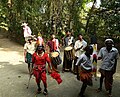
(27,31)
(79,44)
(70,41)
(94,49)
(30,47)
(84,62)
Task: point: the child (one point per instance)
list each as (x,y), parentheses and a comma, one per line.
(85,69)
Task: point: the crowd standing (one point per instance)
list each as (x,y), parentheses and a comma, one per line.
(80,58)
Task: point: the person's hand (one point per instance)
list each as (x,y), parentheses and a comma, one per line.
(26,60)
(79,48)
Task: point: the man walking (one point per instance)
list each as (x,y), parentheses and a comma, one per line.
(109,56)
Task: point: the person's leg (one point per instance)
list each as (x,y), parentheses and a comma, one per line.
(82,91)
(29,61)
(38,80)
(29,68)
(70,65)
(101,82)
(44,79)
(39,88)
(64,63)
(45,90)
(109,82)
(74,66)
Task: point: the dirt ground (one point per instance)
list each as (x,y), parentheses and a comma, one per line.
(14,77)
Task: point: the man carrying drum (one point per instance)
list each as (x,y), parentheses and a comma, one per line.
(79,46)
(53,45)
(68,51)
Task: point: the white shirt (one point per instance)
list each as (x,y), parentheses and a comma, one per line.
(27,31)
(108,58)
(70,41)
(30,47)
(77,45)
(84,62)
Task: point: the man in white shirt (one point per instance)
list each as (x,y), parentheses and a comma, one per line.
(79,46)
(68,42)
(29,49)
(53,45)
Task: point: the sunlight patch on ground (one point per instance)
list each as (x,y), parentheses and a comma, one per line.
(12,57)
(1,66)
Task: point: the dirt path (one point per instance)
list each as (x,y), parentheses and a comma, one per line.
(11,52)
(14,77)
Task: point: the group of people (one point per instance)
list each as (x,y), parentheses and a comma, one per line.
(37,54)
(76,59)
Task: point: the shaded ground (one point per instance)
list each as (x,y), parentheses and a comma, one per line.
(14,77)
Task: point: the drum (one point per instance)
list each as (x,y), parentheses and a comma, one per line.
(55,58)
(69,52)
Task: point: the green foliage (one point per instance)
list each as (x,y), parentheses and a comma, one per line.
(106,19)
(3,16)
(55,16)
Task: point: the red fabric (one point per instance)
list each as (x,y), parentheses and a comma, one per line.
(52,44)
(94,56)
(94,69)
(40,60)
(40,76)
(86,77)
(39,67)
(57,77)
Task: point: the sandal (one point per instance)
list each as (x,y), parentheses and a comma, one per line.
(39,91)
(45,92)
